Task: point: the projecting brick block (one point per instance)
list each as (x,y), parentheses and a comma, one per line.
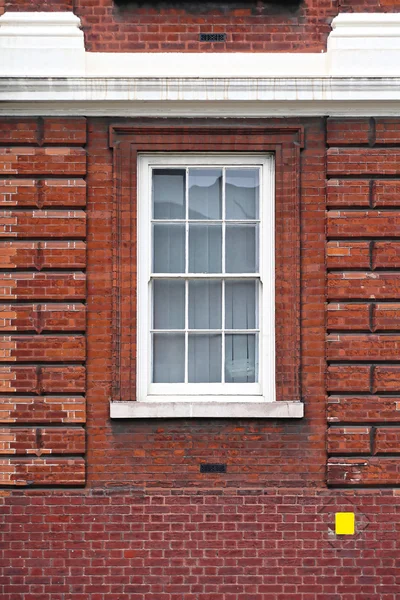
(363,471)
(43,223)
(363,409)
(349,440)
(363,161)
(42,286)
(369,347)
(18,131)
(386,378)
(368,223)
(40,441)
(345,192)
(387,440)
(42,161)
(348,255)
(348,316)
(42,192)
(50,130)
(38,379)
(386,316)
(349,285)
(42,409)
(42,471)
(349,378)
(42,255)
(387,131)
(42,317)
(346,132)
(42,348)
(386,192)
(386,255)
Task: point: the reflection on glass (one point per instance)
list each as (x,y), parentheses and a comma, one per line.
(168,358)
(204,354)
(242,194)
(169,248)
(240,358)
(169,193)
(241,248)
(168,304)
(205,194)
(205,248)
(205,304)
(240,305)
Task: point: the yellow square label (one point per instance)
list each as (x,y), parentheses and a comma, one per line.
(344,523)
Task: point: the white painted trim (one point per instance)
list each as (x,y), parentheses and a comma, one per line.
(211,410)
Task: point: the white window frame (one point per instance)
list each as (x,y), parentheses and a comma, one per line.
(262,391)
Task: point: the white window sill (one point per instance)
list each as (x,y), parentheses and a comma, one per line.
(219,409)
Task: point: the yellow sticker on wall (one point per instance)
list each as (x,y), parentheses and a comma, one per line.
(344,523)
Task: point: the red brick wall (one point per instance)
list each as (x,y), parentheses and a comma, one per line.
(163,26)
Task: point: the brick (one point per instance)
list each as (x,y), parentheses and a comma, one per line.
(42,161)
(387,131)
(42,441)
(360,161)
(42,317)
(348,316)
(43,224)
(42,379)
(42,255)
(348,255)
(386,192)
(64,130)
(386,316)
(42,348)
(42,409)
(347,132)
(387,440)
(386,255)
(353,285)
(349,440)
(42,286)
(368,223)
(349,378)
(42,192)
(363,409)
(359,347)
(386,378)
(363,471)
(42,471)
(345,192)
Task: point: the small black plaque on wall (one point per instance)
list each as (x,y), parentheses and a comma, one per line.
(212,37)
(213,468)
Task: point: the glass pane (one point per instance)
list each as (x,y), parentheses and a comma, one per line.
(205,248)
(242,193)
(205,195)
(168,304)
(240,358)
(205,358)
(168,358)
(169,193)
(241,248)
(240,305)
(169,248)
(205,304)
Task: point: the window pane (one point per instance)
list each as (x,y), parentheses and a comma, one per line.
(168,358)
(169,193)
(241,248)
(205,304)
(205,197)
(169,248)
(204,358)
(168,304)
(242,193)
(240,305)
(240,358)
(205,248)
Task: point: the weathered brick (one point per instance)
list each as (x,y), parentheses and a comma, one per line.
(348,316)
(43,224)
(42,379)
(42,192)
(363,471)
(363,161)
(363,409)
(386,255)
(42,409)
(372,347)
(366,223)
(347,132)
(349,378)
(353,285)
(40,441)
(349,440)
(386,316)
(42,317)
(42,255)
(348,255)
(386,378)
(42,471)
(42,348)
(42,161)
(42,286)
(387,440)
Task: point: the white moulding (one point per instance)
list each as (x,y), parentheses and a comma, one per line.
(41,44)
(221,410)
